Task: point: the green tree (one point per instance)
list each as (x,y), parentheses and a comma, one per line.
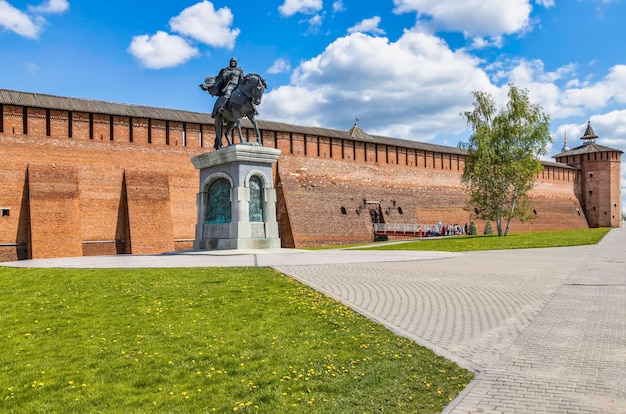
(503,153)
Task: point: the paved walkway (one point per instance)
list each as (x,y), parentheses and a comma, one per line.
(544,329)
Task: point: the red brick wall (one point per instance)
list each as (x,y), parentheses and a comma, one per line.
(138,196)
(54,211)
(149,212)
(315,190)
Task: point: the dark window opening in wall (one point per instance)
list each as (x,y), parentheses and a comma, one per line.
(5,212)
(365,151)
(167,132)
(590,175)
(534,211)
(1,117)
(376,152)
(110,127)
(386,154)
(595,156)
(25,120)
(291,142)
(149,130)
(318,146)
(275,139)
(330,147)
(590,192)
(47,122)
(304,142)
(578,211)
(184,134)
(130,129)
(70,116)
(343,210)
(400,210)
(200,136)
(354,150)
(90,126)
(594,208)
(343,155)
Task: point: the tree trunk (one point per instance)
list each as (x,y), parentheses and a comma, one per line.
(508,222)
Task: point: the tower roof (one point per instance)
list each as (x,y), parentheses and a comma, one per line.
(589,145)
(589,137)
(358,133)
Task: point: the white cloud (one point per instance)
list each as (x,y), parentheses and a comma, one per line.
(50,6)
(338,6)
(405,89)
(291,7)
(19,22)
(207,25)
(367,26)
(315,22)
(475,18)
(545,3)
(31,24)
(483,42)
(161,50)
(280,66)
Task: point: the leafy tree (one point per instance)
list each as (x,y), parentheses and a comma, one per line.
(472,229)
(503,153)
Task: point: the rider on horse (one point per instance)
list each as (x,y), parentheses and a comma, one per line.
(227,80)
(246,93)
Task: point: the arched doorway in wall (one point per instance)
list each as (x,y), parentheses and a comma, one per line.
(376,214)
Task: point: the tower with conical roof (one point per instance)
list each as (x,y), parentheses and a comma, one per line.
(598,185)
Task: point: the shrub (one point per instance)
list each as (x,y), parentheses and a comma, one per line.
(488,227)
(472,229)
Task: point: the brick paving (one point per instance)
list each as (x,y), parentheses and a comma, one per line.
(544,329)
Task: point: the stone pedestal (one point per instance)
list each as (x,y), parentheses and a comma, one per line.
(237,200)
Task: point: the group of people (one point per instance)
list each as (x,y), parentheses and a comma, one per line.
(443,230)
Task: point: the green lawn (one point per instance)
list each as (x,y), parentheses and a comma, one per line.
(493,242)
(202,340)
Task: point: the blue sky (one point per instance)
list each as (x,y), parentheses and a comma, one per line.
(404,68)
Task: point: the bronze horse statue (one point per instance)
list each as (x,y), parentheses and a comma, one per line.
(242,102)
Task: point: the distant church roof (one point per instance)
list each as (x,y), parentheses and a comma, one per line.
(565,147)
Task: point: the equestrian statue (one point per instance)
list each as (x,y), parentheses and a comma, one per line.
(238,95)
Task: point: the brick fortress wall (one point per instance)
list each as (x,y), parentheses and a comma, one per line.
(90,183)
